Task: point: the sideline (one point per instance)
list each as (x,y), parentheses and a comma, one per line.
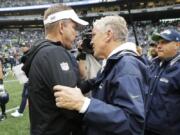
(15,108)
(12,109)
(10,81)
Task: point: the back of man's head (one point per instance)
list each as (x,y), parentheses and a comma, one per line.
(116,23)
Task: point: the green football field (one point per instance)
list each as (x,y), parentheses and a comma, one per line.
(14,126)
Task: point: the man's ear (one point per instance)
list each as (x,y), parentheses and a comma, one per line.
(60,27)
(178,44)
(109,35)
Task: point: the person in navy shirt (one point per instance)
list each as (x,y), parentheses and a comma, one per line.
(163,117)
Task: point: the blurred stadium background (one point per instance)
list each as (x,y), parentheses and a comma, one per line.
(21,22)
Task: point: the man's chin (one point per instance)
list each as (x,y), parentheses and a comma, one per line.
(161,57)
(97,56)
(68,47)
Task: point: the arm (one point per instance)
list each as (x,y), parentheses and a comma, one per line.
(87,85)
(122,110)
(55,69)
(124,113)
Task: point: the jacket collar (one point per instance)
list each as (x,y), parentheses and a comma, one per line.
(129,46)
(114,55)
(126,46)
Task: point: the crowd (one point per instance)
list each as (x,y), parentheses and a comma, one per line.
(144,30)
(137,5)
(10,39)
(21,3)
(16,36)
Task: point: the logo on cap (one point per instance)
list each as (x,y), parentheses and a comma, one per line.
(169,35)
(53,17)
(166,32)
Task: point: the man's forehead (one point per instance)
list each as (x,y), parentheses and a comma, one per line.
(74,23)
(164,41)
(70,21)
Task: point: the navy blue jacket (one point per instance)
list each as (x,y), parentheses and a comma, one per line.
(163,114)
(116,106)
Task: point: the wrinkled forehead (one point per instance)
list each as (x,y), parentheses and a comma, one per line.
(166,42)
(68,22)
(95,29)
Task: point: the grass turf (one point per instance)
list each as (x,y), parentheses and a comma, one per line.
(14,126)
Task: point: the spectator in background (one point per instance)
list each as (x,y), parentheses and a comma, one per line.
(19,113)
(88,64)
(4,96)
(152,51)
(117,105)
(163,117)
(52,64)
(12,61)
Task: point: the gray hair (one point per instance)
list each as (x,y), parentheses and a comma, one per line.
(116,23)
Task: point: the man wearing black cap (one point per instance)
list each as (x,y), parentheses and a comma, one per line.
(52,65)
(163,117)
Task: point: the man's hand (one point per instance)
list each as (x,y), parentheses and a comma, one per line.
(68,98)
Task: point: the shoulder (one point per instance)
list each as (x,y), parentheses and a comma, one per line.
(132,61)
(52,50)
(175,61)
(130,65)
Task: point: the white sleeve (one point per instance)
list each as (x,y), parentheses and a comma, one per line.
(85,105)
